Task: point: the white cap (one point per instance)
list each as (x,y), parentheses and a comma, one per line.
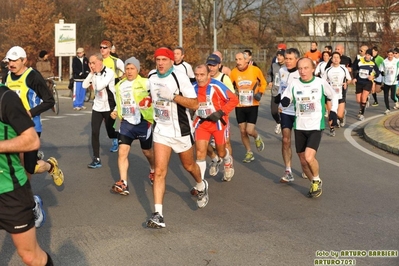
(15,53)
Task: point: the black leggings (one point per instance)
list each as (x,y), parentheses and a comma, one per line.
(386,90)
(96,120)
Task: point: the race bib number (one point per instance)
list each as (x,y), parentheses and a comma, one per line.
(162,111)
(306,106)
(363,73)
(246,97)
(205,109)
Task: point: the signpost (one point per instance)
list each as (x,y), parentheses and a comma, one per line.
(65,43)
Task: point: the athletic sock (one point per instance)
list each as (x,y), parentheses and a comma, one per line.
(288,169)
(375,97)
(202,167)
(200,186)
(158,209)
(316,178)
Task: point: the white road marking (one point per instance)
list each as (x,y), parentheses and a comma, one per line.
(348,136)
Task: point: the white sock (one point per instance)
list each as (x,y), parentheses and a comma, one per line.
(124,182)
(202,167)
(158,208)
(288,169)
(316,178)
(200,186)
(227,158)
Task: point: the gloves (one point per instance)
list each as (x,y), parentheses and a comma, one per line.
(382,73)
(166,94)
(258,96)
(277,99)
(145,102)
(215,116)
(285,102)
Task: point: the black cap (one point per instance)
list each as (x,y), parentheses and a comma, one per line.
(280,52)
(213,60)
(42,53)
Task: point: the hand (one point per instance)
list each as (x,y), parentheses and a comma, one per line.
(258,96)
(114,114)
(285,102)
(145,102)
(166,94)
(215,116)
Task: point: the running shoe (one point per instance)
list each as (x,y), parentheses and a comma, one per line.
(156,221)
(40,155)
(228,171)
(249,157)
(304,176)
(56,173)
(114,147)
(194,191)
(38,212)
(96,163)
(214,167)
(83,108)
(120,188)
(396,106)
(387,112)
(277,129)
(332,132)
(375,104)
(151,176)
(259,143)
(359,114)
(315,189)
(287,177)
(361,117)
(203,196)
(77,108)
(343,120)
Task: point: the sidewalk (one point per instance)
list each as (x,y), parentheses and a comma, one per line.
(384,133)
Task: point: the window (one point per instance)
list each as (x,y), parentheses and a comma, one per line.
(371,26)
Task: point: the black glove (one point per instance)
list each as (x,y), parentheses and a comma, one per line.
(285,102)
(277,99)
(258,96)
(382,73)
(215,116)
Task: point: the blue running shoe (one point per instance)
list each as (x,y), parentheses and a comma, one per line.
(96,163)
(115,145)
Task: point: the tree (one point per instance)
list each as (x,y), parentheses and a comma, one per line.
(32,28)
(139,30)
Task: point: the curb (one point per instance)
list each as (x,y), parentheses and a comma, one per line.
(378,135)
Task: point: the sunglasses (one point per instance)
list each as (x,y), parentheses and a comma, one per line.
(103,47)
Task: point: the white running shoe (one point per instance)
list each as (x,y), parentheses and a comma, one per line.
(277,129)
(228,171)
(214,167)
(39,213)
(387,112)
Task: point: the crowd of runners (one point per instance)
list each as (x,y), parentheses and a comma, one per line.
(186,110)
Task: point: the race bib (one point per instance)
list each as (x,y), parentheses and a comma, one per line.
(205,109)
(246,97)
(162,110)
(363,73)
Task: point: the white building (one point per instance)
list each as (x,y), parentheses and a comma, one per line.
(350,17)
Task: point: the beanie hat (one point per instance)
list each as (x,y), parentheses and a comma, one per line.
(133,60)
(42,53)
(281,52)
(163,51)
(106,43)
(281,46)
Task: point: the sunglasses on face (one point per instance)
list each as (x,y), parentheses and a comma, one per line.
(103,47)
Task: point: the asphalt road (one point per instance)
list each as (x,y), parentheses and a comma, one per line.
(252,220)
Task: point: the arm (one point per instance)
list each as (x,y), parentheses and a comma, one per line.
(191,103)
(15,115)
(88,80)
(36,82)
(103,79)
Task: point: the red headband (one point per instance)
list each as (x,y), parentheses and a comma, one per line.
(163,51)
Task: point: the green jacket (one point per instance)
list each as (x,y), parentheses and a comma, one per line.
(140,91)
